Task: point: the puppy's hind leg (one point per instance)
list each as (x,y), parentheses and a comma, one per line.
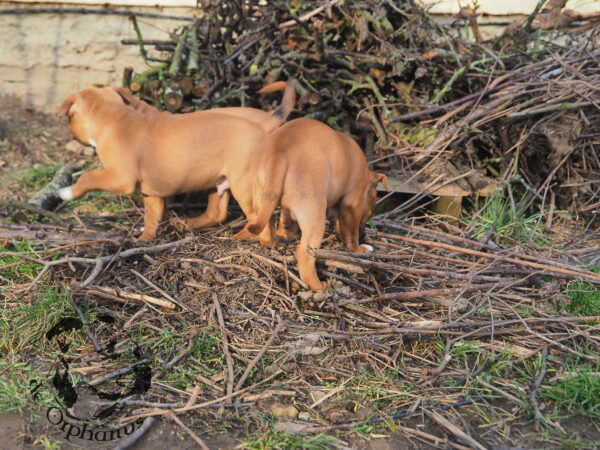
(215,213)
(312,227)
(288,227)
(154,208)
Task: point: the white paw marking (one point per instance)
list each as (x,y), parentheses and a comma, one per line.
(92,142)
(66,193)
(142,229)
(367,247)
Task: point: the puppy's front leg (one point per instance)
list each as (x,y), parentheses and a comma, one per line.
(98,180)
(154,208)
(349,220)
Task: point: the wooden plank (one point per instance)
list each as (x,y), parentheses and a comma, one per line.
(404,185)
(448,206)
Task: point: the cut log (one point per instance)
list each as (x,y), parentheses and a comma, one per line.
(47,197)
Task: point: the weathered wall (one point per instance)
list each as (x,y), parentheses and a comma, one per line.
(47,56)
(503,7)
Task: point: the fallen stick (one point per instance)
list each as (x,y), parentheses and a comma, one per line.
(307,16)
(281,267)
(100,262)
(378,419)
(206,404)
(239,267)
(171,415)
(259,355)
(442,292)
(368,260)
(539,418)
(136,435)
(159,289)
(228,358)
(116,373)
(122,296)
(575,273)
(447,237)
(460,434)
(52,236)
(35,209)
(499,391)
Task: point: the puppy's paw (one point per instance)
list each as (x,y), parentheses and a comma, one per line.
(269,243)
(179,224)
(66,193)
(367,248)
(243,234)
(145,237)
(286,236)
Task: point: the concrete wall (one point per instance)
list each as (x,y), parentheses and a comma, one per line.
(45,57)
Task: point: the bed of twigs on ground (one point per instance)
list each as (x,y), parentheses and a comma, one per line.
(434,319)
(474,333)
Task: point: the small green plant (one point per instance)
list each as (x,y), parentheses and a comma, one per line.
(207,349)
(282,441)
(507,223)
(36,176)
(24,326)
(100,202)
(585,297)
(47,443)
(16,268)
(576,392)
(17,388)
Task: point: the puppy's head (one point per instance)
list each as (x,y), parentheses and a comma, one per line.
(81,107)
(370,195)
(74,107)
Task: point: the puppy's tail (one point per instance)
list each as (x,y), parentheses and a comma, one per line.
(271,195)
(279,116)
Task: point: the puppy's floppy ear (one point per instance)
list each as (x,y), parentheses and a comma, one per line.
(126,95)
(377,178)
(67,107)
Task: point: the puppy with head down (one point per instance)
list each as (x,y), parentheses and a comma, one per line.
(159,153)
(312,171)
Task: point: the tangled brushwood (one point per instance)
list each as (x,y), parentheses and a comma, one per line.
(521,108)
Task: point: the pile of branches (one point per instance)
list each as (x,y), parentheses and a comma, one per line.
(522,108)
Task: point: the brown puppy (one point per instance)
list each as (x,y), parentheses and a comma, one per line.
(218,200)
(311,171)
(158,153)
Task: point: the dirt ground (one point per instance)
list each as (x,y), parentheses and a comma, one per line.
(32,143)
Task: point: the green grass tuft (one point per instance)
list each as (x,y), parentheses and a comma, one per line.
(585,297)
(508,223)
(24,326)
(577,392)
(36,176)
(280,441)
(15,268)
(17,381)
